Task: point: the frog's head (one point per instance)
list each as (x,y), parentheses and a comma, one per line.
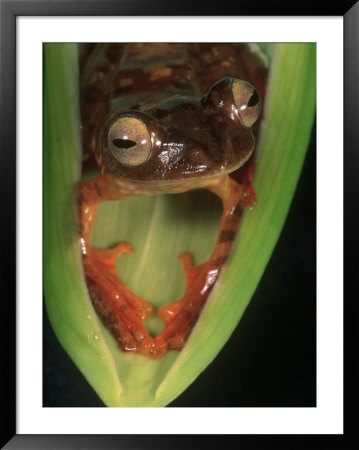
(183,138)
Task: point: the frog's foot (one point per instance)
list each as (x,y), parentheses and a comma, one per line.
(102,261)
(108,256)
(168,312)
(121,311)
(181,315)
(116,311)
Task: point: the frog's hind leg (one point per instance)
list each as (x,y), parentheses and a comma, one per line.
(120,309)
(108,258)
(181,315)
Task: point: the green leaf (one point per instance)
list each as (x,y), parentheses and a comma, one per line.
(159,228)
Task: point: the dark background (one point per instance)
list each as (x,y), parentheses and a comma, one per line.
(270,359)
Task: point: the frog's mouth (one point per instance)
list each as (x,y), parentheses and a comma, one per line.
(186,181)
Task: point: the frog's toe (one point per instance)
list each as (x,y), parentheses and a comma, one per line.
(144,308)
(186,259)
(190,270)
(123,247)
(168,312)
(108,256)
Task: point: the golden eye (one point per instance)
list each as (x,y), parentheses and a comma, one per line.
(247,101)
(129,141)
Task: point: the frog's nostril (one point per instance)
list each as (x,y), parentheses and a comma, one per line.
(124,143)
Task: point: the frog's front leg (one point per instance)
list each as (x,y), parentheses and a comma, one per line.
(181,315)
(120,309)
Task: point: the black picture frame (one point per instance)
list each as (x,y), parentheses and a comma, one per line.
(9,11)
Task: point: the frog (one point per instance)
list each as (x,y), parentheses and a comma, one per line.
(164,123)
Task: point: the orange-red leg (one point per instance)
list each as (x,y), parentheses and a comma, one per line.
(103,260)
(181,315)
(120,309)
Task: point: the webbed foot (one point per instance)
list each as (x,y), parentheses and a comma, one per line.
(121,310)
(191,272)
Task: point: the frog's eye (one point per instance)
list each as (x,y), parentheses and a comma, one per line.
(247,101)
(129,141)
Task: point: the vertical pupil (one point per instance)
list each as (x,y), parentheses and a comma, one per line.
(254,99)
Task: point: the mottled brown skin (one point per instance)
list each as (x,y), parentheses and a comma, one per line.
(183,94)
